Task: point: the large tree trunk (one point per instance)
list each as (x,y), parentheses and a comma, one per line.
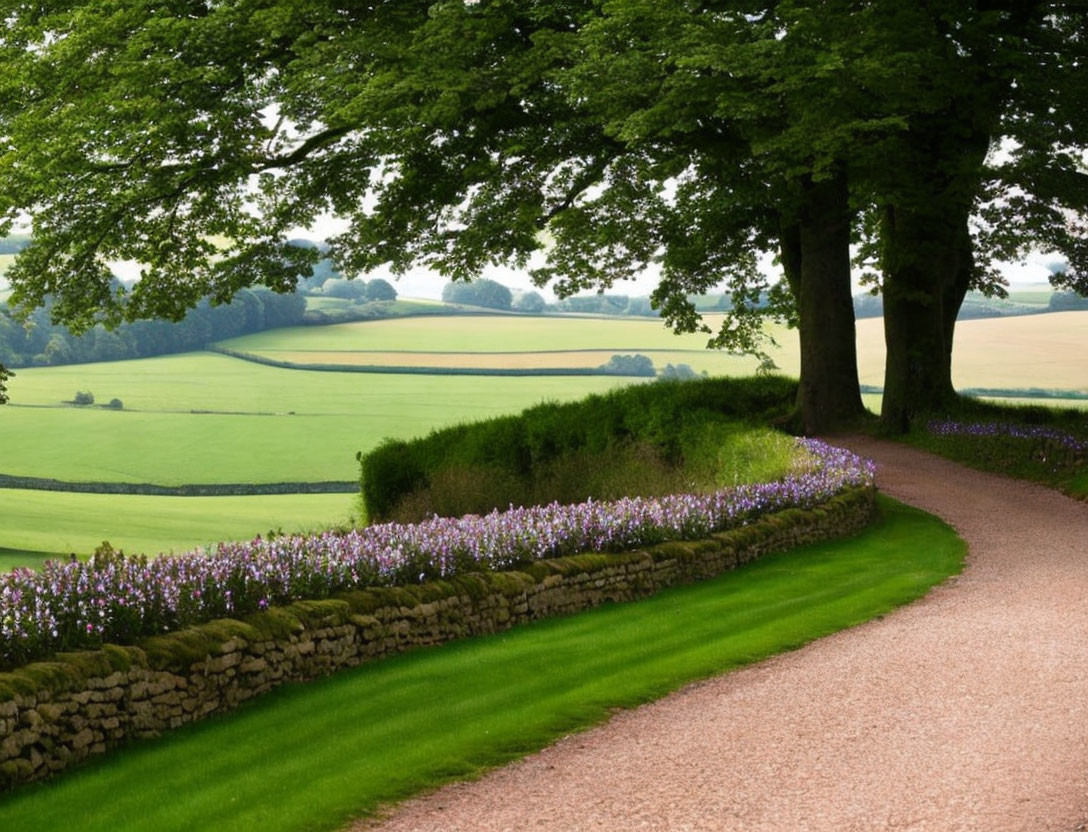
(922,296)
(962,259)
(816,258)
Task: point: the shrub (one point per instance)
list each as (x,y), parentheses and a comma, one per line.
(116,404)
(83,398)
(515,452)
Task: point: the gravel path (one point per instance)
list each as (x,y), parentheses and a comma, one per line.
(967,710)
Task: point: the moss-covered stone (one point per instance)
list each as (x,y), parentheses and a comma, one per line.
(214,666)
(328,612)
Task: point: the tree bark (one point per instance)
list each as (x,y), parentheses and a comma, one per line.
(923,291)
(816,257)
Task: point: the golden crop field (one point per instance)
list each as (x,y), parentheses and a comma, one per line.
(1047,351)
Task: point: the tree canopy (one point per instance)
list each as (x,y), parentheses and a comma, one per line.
(585,140)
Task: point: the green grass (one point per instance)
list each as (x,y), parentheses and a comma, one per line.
(61,522)
(11,558)
(158,439)
(313,427)
(1032,297)
(1015,457)
(475,333)
(311,757)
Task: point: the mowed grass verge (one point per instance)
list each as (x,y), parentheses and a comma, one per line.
(312,757)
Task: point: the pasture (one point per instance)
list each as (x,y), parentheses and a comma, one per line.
(1041,351)
(251,424)
(37,523)
(209,418)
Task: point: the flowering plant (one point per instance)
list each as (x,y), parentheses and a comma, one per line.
(71,605)
(947,427)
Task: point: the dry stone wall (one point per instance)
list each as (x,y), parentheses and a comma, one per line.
(56,713)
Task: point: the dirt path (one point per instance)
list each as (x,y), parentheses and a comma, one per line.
(967,710)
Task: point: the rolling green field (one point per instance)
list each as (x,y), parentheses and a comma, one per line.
(209,418)
(250,435)
(1045,351)
(258,424)
(469,333)
(313,756)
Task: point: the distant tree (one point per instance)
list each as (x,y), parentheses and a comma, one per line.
(378,289)
(1067,302)
(13,244)
(343,288)
(83,397)
(482,292)
(493,294)
(529,302)
(5,376)
(868,306)
(640,306)
(116,404)
(629,365)
(57,351)
(678,372)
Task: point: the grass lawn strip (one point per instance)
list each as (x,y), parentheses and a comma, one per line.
(311,757)
(64,522)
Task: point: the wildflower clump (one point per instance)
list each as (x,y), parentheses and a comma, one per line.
(71,605)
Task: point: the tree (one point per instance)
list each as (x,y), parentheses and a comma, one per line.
(609,136)
(483,292)
(378,289)
(986,72)
(344,288)
(5,376)
(531,302)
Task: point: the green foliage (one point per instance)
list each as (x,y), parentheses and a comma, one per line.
(678,372)
(40,343)
(629,365)
(1040,460)
(5,377)
(380,290)
(116,404)
(483,292)
(512,694)
(342,288)
(1067,301)
(651,433)
(83,398)
(532,302)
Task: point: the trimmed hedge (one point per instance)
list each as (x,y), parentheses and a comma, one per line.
(222,489)
(658,415)
(389,369)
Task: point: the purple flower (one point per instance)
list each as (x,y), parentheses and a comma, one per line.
(41,613)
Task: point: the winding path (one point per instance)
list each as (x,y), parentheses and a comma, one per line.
(967,710)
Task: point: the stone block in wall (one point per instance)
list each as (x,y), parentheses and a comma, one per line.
(81,704)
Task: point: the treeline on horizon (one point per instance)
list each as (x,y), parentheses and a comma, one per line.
(42,343)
